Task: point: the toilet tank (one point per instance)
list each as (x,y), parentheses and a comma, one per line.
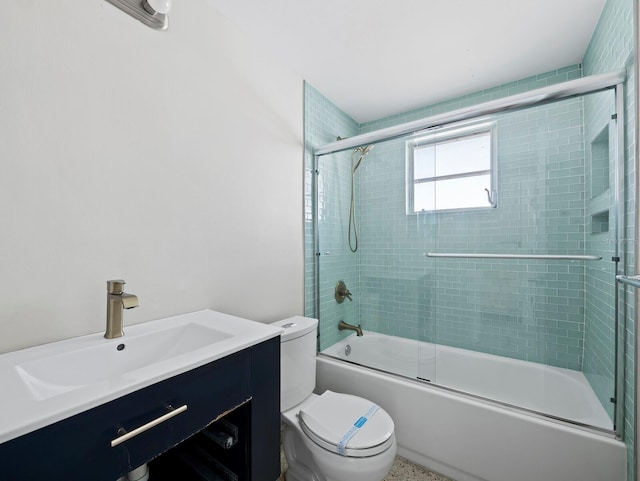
(297,360)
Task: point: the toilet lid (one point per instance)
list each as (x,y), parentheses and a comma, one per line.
(347,425)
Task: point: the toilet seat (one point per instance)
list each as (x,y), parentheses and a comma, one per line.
(347,425)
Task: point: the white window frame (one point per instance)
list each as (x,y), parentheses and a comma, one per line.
(442,135)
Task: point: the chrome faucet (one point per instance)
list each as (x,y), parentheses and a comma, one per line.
(117,301)
(344,326)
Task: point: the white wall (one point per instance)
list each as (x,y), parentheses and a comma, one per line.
(170,159)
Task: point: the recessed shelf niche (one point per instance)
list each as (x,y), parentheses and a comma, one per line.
(600,222)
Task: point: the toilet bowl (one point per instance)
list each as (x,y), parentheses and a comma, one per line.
(331,436)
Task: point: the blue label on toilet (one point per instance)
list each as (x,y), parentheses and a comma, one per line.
(360,422)
(341,448)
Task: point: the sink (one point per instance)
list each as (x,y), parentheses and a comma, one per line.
(51,382)
(114,359)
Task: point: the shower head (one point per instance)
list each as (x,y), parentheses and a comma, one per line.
(364,150)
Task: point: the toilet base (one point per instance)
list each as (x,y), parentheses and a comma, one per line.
(300,463)
(299,473)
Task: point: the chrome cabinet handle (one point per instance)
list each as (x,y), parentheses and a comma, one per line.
(125,436)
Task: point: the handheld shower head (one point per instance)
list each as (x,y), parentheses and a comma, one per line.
(364,150)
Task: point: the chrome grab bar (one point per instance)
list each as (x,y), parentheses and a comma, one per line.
(512,256)
(629,280)
(125,436)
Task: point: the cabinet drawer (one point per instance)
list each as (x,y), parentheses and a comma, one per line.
(80,447)
(207,392)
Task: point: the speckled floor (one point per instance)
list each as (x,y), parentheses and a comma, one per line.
(402,470)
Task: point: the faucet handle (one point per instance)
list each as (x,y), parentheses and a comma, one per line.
(115,286)
(341,292)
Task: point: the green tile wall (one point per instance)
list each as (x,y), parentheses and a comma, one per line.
(531,310)
(611,48)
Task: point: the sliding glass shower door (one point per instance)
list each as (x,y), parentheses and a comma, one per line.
(480,256)
(388,295)
(530,276)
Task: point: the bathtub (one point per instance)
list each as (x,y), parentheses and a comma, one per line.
(472,439)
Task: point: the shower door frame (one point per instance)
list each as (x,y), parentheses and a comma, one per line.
(565,90)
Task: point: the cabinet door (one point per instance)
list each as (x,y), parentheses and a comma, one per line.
(80,447)
(265,411)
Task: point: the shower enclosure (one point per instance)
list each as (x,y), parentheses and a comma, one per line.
(494,229)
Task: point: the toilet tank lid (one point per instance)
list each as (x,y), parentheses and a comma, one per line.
(295,327)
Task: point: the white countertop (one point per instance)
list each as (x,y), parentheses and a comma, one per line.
(28,404)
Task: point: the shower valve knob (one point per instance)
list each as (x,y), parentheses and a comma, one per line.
(342,292)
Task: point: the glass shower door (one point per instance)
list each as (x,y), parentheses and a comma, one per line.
(390,296)
(525,304)
(510,298)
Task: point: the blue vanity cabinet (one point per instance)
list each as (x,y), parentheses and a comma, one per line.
(265,384)
(79,447)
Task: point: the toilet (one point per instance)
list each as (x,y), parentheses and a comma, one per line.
(331,436)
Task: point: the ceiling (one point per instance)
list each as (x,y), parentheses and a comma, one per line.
(374,58)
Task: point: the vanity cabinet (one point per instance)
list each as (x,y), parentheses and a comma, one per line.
(246,383)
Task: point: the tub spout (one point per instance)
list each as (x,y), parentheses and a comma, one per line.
(349,327)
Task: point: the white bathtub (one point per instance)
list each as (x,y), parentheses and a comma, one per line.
(470,439)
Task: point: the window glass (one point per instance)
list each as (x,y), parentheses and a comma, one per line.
(461,193)
(425,196)
(425,162)
(451,170)
(466,154)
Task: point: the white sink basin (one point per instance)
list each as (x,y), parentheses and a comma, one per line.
(48,383)
(52,375)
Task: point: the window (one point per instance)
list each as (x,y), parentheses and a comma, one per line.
(451,169)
